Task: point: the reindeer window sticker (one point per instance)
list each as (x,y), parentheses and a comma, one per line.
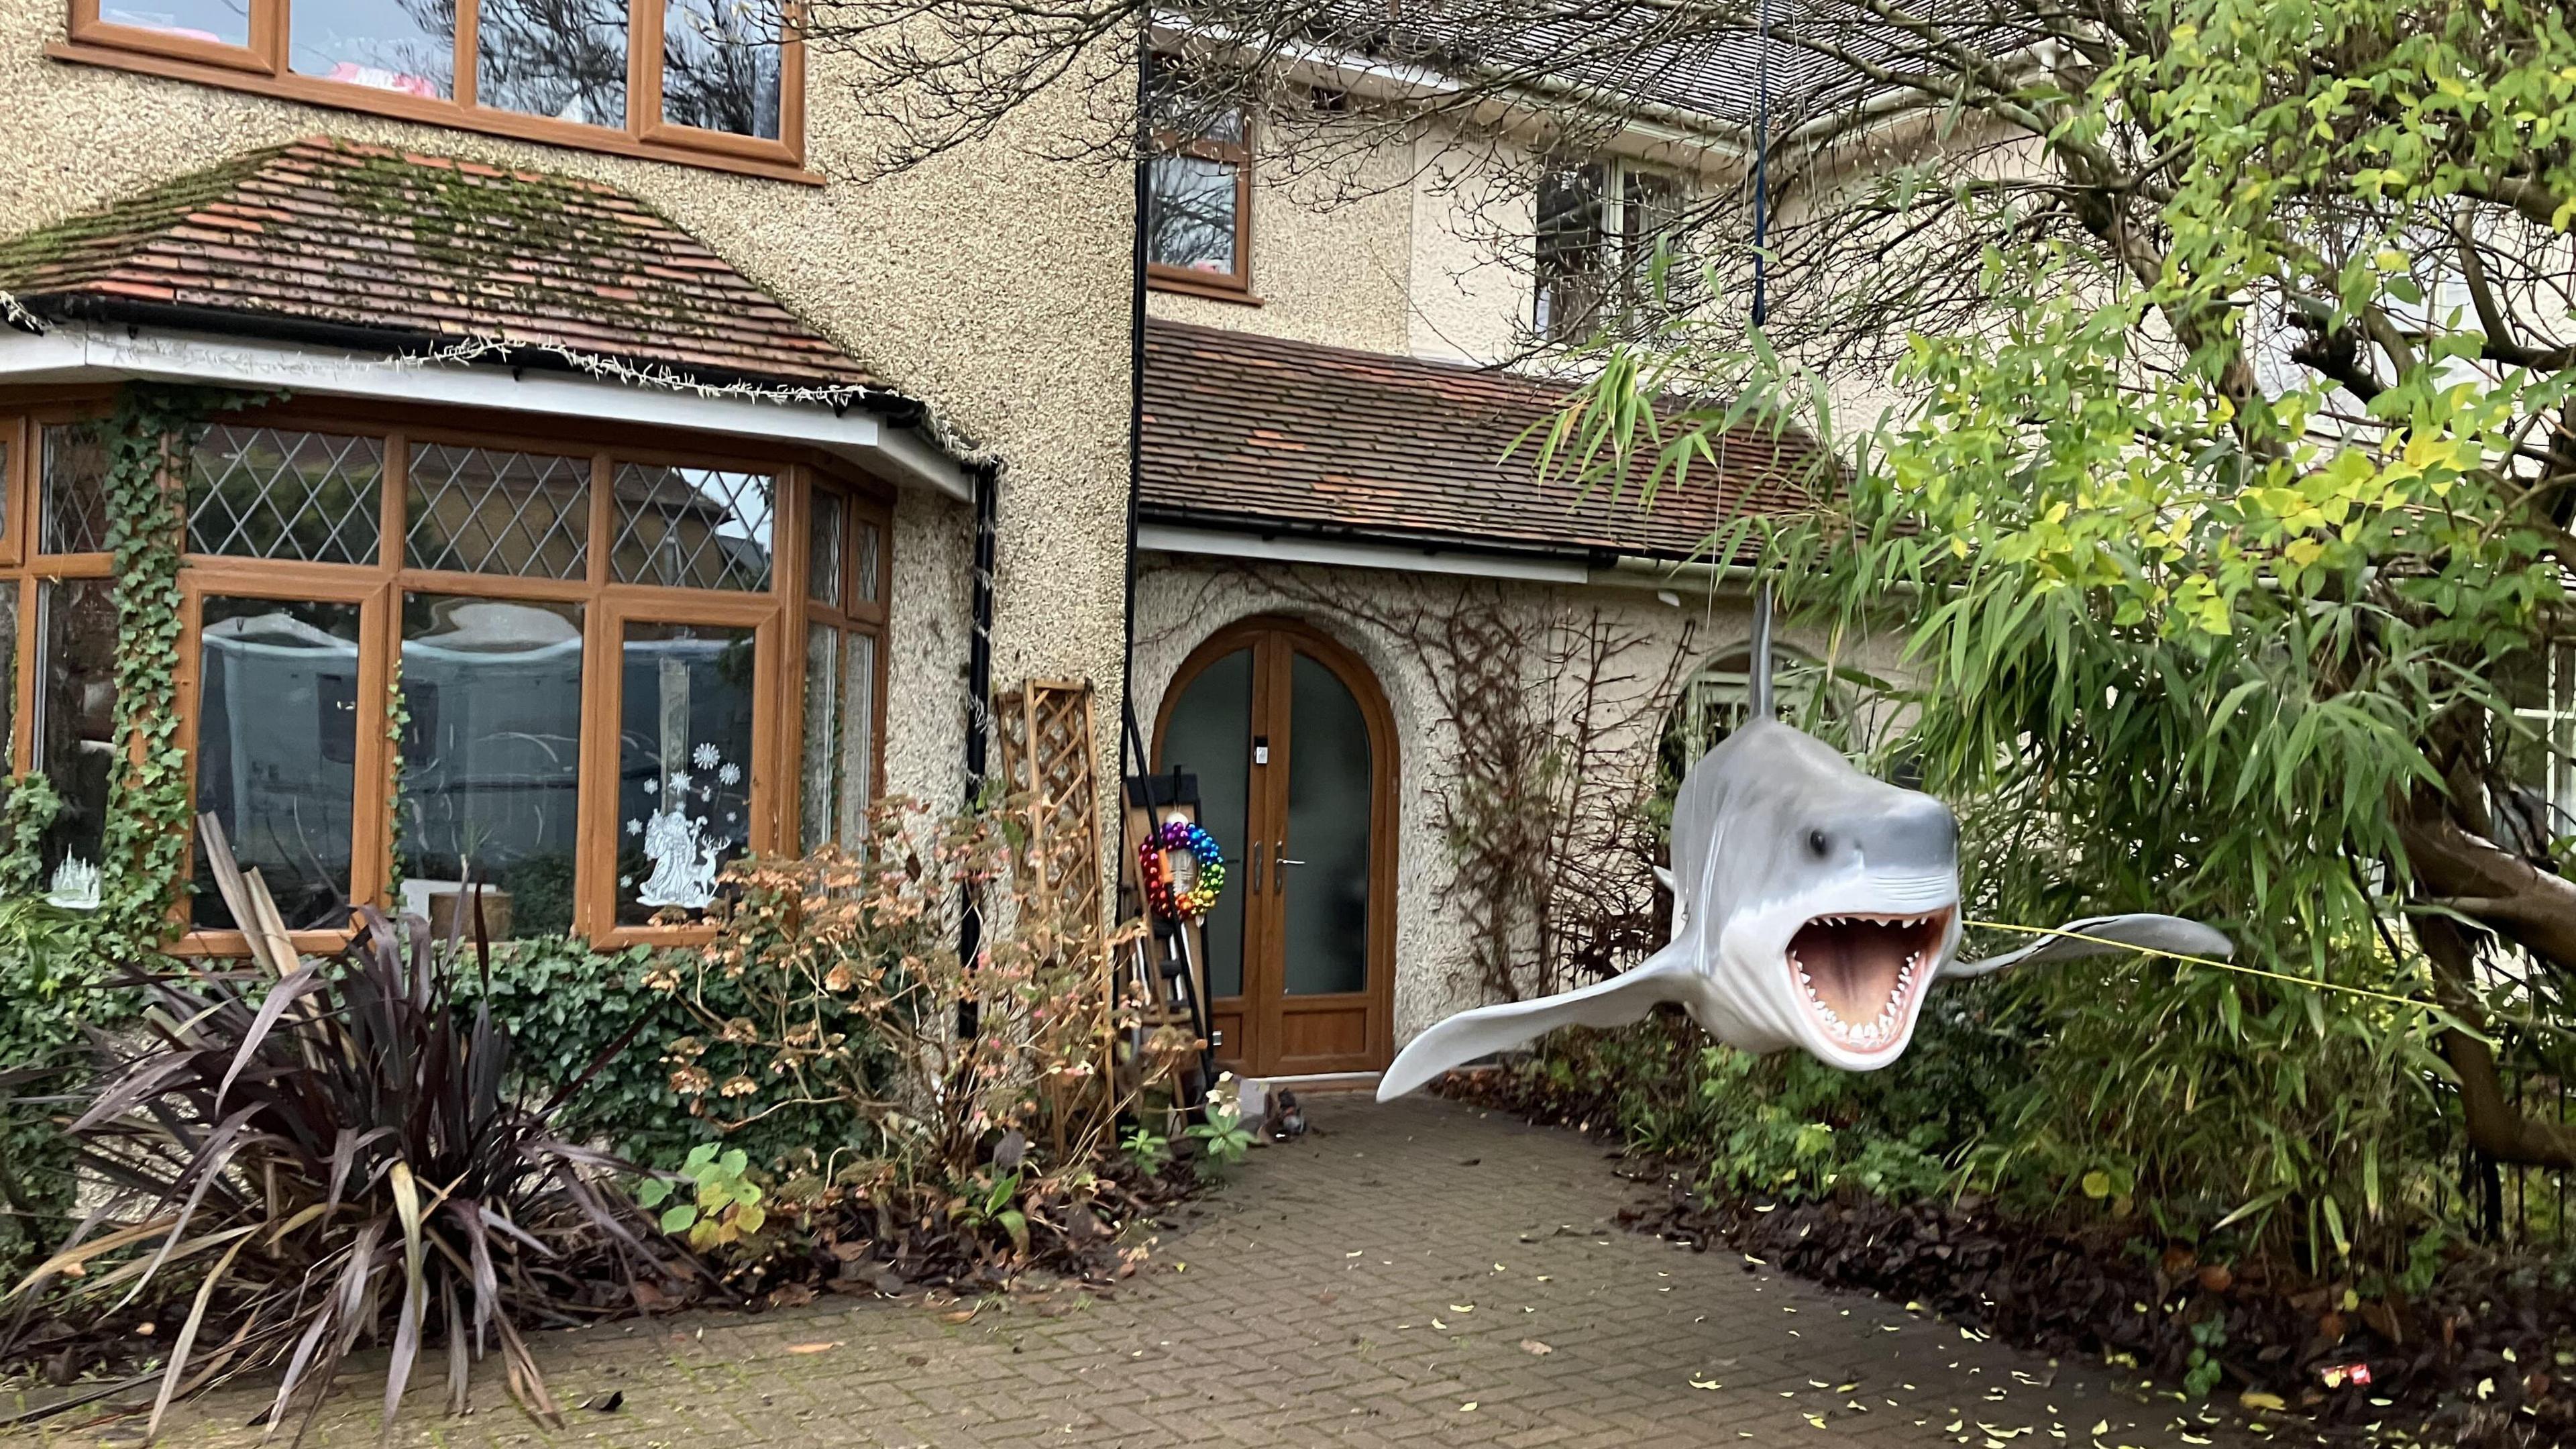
(1813,907)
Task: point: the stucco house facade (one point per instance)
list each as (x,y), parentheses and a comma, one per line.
(583,396)
(1343,517)
(697,484)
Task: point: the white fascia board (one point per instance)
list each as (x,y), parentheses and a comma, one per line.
(1228,543)
(80,352)
(1650,124)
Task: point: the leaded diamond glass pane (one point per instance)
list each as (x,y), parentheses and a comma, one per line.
(831,526)
(75,479)
(278,493)
(693,528)
(486,511)
(871,548)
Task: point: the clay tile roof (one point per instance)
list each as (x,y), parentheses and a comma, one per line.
(329,234)
(1250,432)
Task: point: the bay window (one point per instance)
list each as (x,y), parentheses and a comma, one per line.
(583,675)
(718,81)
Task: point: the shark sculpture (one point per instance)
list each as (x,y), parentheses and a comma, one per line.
(1813,907)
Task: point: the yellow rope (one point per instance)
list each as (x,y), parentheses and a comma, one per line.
(2309,982)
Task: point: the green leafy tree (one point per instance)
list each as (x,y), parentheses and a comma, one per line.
(2226,496)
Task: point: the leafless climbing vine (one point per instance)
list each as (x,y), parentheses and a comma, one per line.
(1550,711)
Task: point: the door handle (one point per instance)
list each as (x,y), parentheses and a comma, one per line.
(1279,877)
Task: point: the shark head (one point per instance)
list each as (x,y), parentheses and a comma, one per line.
(1828,900)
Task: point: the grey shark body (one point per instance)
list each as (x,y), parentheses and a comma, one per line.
(1813,907)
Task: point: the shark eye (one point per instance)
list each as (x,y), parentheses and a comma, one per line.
(1819,844)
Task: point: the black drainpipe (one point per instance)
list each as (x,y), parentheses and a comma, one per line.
(979,713)
(1129,737)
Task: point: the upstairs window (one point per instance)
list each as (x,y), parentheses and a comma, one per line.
(721,80)
(1198,220)
(1598,230)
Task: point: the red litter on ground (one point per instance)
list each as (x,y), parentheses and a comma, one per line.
(2338,1375)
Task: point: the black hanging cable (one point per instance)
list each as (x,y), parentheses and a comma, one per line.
(1761,162)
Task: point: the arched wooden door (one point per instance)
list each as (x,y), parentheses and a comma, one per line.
(1294,750)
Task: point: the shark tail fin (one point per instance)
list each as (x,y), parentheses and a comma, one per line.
(1761,690)
(1460,1039)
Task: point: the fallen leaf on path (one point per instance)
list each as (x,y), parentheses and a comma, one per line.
(814,1347)
(1534,1348)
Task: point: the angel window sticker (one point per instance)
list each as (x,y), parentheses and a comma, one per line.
(684,767)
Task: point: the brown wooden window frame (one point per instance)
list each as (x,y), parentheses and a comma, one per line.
(857,613)
(262,67)
(777,615)
(1235,286)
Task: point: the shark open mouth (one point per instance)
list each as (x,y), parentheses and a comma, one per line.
(1862,973)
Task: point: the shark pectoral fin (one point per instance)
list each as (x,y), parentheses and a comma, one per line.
(1681,908)
(1462,1038)
(2108,936)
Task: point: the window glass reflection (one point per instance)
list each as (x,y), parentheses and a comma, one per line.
(830,526)
(277,736)
(693,528)
(1193,214)
(684,761)
(404,46)
(76,743)
(218,22)
(721,66)
(75,489)
(491,759)
(840,736)
(483,510)
(560,58)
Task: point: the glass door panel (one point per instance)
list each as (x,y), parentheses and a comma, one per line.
(1324,879)
(1209,735)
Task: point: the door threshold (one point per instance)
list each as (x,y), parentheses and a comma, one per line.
(1323,1081)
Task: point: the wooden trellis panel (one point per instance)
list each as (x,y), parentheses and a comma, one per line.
(1047,745)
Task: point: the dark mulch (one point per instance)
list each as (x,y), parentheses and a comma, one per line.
(2487,1358)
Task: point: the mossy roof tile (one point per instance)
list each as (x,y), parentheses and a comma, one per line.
(327,231)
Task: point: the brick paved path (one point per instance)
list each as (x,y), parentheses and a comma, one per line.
(1416,1274)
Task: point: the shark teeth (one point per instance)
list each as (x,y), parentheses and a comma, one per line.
(1883,1029)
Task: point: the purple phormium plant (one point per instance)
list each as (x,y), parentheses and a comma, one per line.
(343,1154)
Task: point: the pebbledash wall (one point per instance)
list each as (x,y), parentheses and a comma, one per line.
(990,283)
(1181,600)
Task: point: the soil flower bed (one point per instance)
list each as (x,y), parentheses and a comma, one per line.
(2484,1360)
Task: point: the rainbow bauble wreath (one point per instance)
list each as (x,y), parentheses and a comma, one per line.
(1167,899)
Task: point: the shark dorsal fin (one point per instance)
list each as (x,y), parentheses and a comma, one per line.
(1761,690)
